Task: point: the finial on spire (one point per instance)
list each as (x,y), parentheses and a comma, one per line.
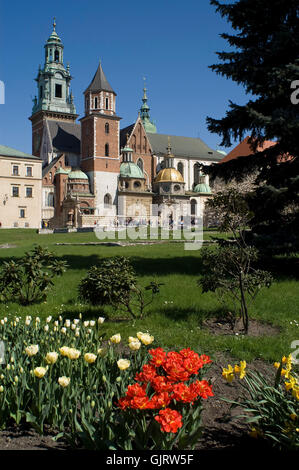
(54,23)
(168,146)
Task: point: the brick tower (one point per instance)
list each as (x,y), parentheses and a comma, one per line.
(100,157)
(54,100)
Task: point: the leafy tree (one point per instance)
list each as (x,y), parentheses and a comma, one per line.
(114,282)
(263,57)
(230,266)
(27,280)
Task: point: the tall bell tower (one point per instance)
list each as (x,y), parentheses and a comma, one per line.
(100,141)
(54,100)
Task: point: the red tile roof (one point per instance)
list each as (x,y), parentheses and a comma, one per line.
(243,149)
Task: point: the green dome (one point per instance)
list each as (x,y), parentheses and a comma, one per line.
(202,188)
(77,175)
(130,170)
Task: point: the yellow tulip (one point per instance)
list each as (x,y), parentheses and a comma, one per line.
(123,364)
(64,351)
(134,345)
(64,381)
(73,353)
(32,350)
(115,339)
(40,372)
(146,339)
(51,357)
(90,358)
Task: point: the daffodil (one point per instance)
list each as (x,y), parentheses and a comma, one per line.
(228,373)
(240,369)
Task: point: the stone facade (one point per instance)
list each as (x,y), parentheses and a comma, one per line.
(20,189)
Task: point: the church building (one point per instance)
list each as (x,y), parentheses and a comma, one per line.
(97,174)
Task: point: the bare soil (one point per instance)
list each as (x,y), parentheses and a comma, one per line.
(224,327)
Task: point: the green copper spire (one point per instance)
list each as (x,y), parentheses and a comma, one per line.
(53,80)
(145,114)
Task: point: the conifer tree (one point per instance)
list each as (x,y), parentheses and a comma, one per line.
(263,57)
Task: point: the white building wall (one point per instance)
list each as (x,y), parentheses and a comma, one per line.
(104,182)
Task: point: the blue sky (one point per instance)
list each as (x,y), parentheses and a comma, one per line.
(170,42)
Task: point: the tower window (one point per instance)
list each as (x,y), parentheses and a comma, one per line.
(181,168)
(107,201)
(106,128)
(106,150)
(96,102)
(56,56)
(140,163)
(40,92)
(107,103)
(58,91)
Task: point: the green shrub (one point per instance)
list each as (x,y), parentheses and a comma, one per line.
(114,282)
(27,280)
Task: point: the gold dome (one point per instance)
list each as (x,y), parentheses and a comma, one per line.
(169,175)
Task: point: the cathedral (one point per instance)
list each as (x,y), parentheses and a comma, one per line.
(97,174)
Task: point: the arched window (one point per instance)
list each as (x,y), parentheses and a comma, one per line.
(107,103)
(106,150)
(196,173)
(96,103)
(181,168)
(56,56)
(107,201)
(144,144)
(107,128)
(193,206)
(140,164)
(51,200)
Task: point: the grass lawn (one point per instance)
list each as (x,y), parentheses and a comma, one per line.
(175,317)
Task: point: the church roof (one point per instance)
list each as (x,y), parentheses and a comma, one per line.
(183,147)
(243,149)
(99,82)
(11,152)
(65,136)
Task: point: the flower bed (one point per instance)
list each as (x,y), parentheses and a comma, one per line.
(61,374)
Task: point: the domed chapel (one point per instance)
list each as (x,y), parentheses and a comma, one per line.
(96,174)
